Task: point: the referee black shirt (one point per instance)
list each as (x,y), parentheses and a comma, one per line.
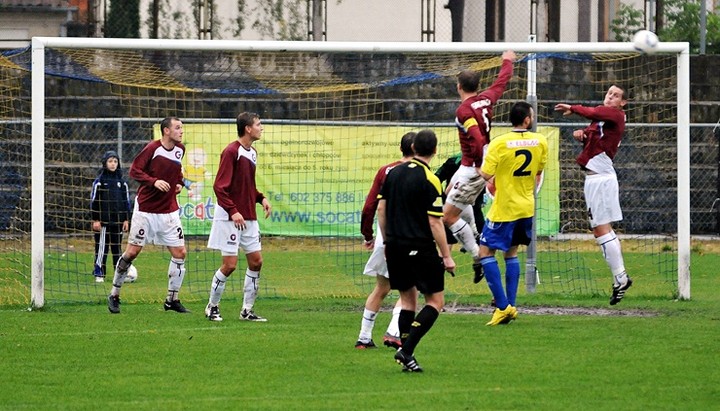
(412,193)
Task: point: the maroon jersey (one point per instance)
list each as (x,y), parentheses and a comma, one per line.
(473,118)
(604,133)
(235,183)
(155,162)
(371,202)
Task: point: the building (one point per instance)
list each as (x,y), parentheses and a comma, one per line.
(344,20)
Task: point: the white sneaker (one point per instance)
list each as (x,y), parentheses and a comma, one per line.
(251,316)
(99,279)
(213,313)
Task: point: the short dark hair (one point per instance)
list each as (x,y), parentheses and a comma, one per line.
(519,112)
(406,143)
(245,119)
(468,80)
(165,123)
(425,143)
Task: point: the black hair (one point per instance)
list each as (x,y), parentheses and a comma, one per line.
(165,123)
(243,120)
(406,143)
(519,112)
(425,143)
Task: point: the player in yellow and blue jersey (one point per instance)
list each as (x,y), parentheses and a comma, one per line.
(513,160)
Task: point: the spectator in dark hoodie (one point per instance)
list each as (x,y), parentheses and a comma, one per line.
(110,206)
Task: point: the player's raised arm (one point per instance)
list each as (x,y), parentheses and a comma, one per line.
(496,90)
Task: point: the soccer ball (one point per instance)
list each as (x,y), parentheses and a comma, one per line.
(131,274)
(645,41)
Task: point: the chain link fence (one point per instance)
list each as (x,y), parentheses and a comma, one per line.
(81,158)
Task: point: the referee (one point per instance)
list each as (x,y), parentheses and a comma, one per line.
(410,219)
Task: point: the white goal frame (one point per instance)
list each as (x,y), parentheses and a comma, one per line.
(39,44)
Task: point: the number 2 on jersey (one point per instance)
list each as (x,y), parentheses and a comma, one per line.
(522,171)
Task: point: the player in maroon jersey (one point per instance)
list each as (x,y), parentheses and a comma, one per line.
(473,119)
(601,140)
(376,265)
(155,218)
(235,222)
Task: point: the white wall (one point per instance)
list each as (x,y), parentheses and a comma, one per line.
(357,20)
(350,20)
(383,20)
(16,29)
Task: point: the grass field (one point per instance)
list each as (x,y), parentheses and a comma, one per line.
(325,268)
(649,352)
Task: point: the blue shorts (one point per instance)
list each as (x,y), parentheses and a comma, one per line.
(502,236)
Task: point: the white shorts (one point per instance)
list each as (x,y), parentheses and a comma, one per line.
(465,187)
(160,229)
(376,264)
(602,196)
(224,236)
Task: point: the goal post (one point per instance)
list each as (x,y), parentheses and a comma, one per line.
(309,97)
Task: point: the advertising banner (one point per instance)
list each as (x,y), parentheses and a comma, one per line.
(316,176)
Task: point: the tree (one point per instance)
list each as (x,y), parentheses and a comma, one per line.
(123,20)
(628,20)
(681,22)
(281,19)
(172,19)
(240,19)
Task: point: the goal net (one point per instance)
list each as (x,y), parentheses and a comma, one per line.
(333,114)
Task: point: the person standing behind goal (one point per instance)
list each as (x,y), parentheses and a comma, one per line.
(235,222)
(473,119)
(376,265)
(514,160)
(110,209)
(601,140)
(155,218)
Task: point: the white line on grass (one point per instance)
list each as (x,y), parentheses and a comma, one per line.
(115,332)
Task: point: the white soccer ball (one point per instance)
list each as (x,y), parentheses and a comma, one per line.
(645,41)
(131,274)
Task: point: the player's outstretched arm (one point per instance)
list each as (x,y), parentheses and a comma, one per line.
(509,55)
(565,108)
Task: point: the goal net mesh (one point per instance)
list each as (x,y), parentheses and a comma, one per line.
(331,120)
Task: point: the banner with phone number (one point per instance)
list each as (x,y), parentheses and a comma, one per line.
(317,177)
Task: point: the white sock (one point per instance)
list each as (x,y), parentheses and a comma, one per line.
(252,281)
(366,327)
(393,328)
(464,234)
(610,246)
(468,215)
(176,273)
(217,287)
(121,270)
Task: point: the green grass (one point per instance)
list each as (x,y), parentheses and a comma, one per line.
(292,273)
(78,356)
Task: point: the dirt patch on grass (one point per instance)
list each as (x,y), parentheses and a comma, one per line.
(544,310)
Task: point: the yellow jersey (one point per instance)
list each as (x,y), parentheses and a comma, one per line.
(514,158)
